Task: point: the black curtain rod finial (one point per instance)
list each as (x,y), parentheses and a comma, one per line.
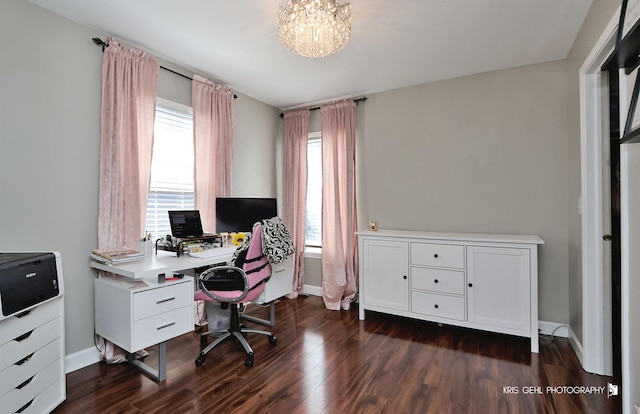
(100,42)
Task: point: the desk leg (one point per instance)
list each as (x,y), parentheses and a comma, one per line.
(272,314)
(159,374)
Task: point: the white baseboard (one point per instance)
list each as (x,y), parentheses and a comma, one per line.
(81,359)
(312,290)
(553,328)
(564,331)
(576,345)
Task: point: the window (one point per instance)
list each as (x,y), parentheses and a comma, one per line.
(313,215)
(171,166)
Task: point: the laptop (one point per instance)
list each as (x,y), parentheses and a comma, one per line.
(185,223)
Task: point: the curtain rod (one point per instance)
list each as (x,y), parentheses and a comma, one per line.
(357,101)
(104,45)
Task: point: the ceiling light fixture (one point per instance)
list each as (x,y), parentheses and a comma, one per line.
(314,28)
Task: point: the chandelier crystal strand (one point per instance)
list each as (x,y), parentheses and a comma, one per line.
(314,28)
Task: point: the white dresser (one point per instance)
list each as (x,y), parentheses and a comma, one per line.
(32,376)
(481,281)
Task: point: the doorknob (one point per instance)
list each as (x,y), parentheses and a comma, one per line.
(607,237)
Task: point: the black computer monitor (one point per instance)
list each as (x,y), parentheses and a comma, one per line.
(235,214)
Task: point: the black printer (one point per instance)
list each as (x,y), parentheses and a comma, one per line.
(27,279)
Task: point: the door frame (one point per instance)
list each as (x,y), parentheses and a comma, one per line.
(596,289)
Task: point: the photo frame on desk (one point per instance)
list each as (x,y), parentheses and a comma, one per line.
(629,16)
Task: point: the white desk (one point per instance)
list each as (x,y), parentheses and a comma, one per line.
(134,317)
(164,262)
(137,315)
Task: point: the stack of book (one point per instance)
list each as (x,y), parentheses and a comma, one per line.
(116,256)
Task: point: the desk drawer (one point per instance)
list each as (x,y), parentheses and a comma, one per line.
(437,255)
(280,282)
(438,280)
(444,306)
(163,299)
(22,346)
(159,328)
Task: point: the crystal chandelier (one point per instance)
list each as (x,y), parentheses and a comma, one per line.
(314,28)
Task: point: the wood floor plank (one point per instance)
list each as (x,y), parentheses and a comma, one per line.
(329,362)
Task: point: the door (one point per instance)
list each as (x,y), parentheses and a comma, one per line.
(595,326)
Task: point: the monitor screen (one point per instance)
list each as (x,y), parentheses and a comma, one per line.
(239,214)
(185,223)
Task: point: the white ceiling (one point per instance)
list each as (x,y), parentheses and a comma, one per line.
(394,43)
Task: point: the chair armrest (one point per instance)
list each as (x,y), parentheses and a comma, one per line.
(225,293)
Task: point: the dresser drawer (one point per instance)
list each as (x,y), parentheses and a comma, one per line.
(47,400)
(162,299)
(444,306)
(20,397)
(438,255)
(437,280)
(22,346)
(159,328)
(15,326)
(16,374)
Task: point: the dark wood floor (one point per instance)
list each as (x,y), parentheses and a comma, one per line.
(331,362)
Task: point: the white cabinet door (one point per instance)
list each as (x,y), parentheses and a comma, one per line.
(386,270)
(499,287)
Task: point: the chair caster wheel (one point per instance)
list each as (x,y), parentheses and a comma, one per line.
(249,361)
(273,339)
(200,360)
(203,340)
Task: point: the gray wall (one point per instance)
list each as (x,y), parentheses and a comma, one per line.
(484,153)
(50,83)
(50,148)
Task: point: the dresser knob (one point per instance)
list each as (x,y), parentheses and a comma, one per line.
(404,277)
(435,255)
(436,306)
(435,281)
(470,284)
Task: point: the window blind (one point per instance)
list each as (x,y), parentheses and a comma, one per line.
(171,185)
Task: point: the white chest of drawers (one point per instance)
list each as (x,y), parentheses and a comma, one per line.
(32,378)
(481,281)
